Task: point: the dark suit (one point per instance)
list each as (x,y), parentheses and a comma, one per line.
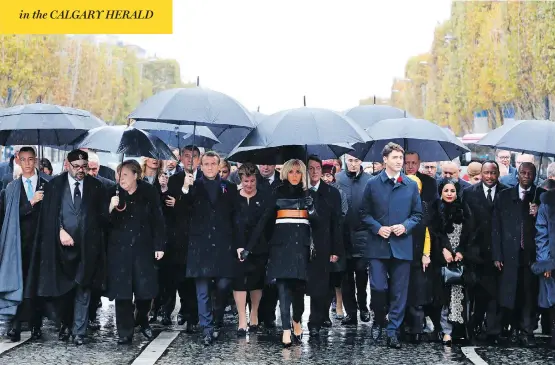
(106,173)
(327,236)
(387,203)
(475,246)
(513,244)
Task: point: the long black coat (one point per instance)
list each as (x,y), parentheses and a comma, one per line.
(135,234)
(509,215)
(475,243)
(212,232)
(289,242)
(50,274)
(328,239)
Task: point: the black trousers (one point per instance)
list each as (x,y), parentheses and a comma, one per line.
(94,305)
(30,310)
(354,286)
(523,315)
(187,299)
(74,310)
(125,321)
(268,304)
(485,305)
(290,292)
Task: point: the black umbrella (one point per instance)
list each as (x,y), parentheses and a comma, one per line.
(179,135)
(366,115)
(430,141)
(47,124)
(229,138)
(128,141)
(309,130)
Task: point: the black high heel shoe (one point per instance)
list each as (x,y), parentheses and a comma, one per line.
(448,342)
(287,344)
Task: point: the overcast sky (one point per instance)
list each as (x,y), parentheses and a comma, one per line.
(269,53)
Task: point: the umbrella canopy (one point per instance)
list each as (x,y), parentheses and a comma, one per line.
(366,115)
(536,137)
(46,124)
(194,106)
(130,141)
(279,155)
(315,128)
(229,138)
(430,141)
(179,135)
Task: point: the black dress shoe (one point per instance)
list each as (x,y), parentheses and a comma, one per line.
(153,316)
(528,341)
(253,328)
(241,332)
(207,340)
(415,338)
(181,319)
(166,320)
(376,332)
(78,340)
(327,323)
(365,316)
(493,339)
(36,333)
(64,333)
(190,327)
(147,332)
(393,342)
(14,335)
(125,340)
(349,320)
(94,325)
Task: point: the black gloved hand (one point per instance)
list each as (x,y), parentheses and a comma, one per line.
(309,202)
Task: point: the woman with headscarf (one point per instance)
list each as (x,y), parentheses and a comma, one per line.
(292,207)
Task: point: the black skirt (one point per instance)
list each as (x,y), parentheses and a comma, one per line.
(250,273)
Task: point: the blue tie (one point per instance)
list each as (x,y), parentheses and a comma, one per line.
(29,190)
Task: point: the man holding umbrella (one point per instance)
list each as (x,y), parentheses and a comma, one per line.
(69,255)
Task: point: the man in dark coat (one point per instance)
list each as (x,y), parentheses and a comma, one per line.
(177,218)
(20,207)
(266,182)
(391,208)
(212,237)
(417,298)
(476,248)
(451,170)
(69,254)
(328,245)
(514,250)
(352,181)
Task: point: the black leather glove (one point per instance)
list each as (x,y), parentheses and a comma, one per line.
(309,202)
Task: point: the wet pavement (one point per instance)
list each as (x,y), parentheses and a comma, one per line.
(337,346)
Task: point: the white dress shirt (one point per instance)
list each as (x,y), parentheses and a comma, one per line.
(270,178)
(521,192)
(72,182)
(493,189)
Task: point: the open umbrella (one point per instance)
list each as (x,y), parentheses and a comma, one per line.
(429,140)
(47,124)
(289,133)
(197,107)
(231,137)
(128,141)
(366,115)
(179,135)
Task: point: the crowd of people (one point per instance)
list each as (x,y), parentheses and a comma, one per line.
(472,253)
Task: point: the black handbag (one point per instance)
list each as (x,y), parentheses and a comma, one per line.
(452,274)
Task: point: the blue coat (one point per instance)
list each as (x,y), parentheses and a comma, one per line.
(545,249)
(387,204)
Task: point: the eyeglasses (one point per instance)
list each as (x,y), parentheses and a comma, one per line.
(80,167)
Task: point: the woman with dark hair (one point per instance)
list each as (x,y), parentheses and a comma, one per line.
(447,228)
(45,166)
(136,242)
(250,271)
(292,208)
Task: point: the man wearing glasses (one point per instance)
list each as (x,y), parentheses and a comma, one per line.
(69,250)
(429,168)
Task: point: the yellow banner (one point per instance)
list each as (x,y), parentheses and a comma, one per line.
(86,17)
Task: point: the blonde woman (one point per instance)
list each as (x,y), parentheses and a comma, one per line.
(292,208)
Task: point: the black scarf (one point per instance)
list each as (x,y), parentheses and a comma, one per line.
(450,214)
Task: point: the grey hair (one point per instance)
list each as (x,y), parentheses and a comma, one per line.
(551,170)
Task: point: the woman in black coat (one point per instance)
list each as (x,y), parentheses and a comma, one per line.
(292,208)
(252,270)
(136,241)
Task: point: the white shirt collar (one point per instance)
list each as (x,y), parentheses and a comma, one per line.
(396,176)
(493,189)
(270,178)
(315,186)
(72,182)
(521,191)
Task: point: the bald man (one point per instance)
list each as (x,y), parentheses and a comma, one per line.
(451,170)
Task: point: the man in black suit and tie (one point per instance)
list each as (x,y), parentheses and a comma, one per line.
(476,246)
(20,205)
